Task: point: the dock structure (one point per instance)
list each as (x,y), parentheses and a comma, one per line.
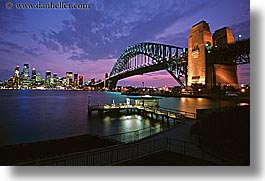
(145,106)
(154,112)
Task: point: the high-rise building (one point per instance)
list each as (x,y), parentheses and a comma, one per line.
(92,81)
(24,78)
(69,78)
(16,76)
(63,79)
(55,75)
(75,80)
(48,78)
(33,74)
(38,77)
(55,78)
(17,71)
(80,80)
(26,70)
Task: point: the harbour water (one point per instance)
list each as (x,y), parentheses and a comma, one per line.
(29,116)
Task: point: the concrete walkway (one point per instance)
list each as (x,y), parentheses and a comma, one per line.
(182,132)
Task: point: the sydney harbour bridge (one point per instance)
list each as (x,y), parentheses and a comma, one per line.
(208,60)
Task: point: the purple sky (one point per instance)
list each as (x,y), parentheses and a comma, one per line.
(89,41)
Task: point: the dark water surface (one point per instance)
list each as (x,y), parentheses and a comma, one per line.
(27,116)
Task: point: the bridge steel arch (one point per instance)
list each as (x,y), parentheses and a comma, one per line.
(160,57)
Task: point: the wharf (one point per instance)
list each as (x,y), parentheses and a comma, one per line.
(155,112)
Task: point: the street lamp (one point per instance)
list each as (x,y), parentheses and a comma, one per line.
(239,36)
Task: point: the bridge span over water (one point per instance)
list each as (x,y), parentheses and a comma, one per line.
(149,57)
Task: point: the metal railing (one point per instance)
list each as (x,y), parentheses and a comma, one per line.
(114,155)
(180,113)
(131,136)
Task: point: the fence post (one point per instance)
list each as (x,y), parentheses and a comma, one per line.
(202,153)
(150,130)
(184,148)
(93,160)
(137,150)
(169,144)
(154,145)
(132,152)
(117,155)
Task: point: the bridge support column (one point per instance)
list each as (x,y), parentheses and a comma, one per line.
(112,83)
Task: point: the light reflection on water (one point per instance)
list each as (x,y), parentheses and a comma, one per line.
(27,116)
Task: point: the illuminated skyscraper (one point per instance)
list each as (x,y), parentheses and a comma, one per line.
(16,76)
(26,70)
(48,78)
(33,74)
(38,77)
(55,75)
(17,71)
(80,80)
(24,78)
(69,78)
(63,79)
(92,81)
(75,80)
(55,78)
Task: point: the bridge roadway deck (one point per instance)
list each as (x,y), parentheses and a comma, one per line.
(155,112)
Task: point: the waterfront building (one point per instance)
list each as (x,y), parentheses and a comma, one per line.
(63,80)
(17,71)
(69,78)
(54,79)
(80,80)
(33,74)
(92,81)
(26,71)
(48,78)
(24,78)
(16,77)
(75,80)
(38,77)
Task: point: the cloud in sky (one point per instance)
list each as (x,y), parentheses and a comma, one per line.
(89,40)
(10,47)
(110,26)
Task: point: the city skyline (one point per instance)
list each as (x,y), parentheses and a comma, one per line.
(31,78)
(37,70)
(90,41)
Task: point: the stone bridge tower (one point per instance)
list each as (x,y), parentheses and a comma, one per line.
(223,74)
(200,35)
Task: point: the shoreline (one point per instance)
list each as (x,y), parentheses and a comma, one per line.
(229,98)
